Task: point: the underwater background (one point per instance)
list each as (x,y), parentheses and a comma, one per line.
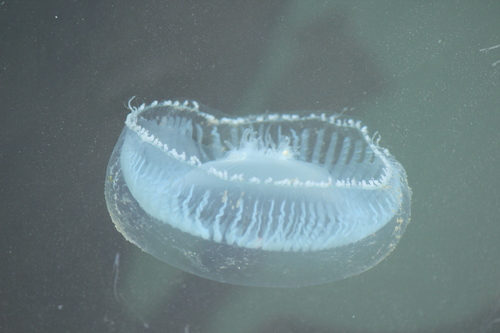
(425,74)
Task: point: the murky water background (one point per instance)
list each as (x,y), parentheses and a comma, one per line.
(413,71)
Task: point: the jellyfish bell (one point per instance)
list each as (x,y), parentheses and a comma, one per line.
(264,200)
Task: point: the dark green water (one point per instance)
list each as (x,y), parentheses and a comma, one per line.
(412,70)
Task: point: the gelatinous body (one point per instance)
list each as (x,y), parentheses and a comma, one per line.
(269,200)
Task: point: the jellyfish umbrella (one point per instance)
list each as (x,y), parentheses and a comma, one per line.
(274,200)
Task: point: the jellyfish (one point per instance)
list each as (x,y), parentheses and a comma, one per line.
(274,200)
